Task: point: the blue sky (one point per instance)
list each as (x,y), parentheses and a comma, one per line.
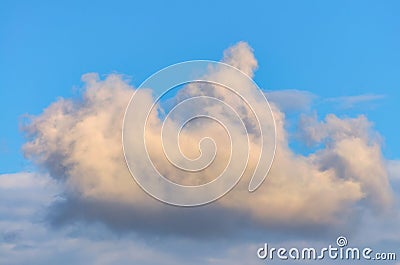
(343,55)
(330,48)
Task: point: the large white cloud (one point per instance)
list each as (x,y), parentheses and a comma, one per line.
(79,143)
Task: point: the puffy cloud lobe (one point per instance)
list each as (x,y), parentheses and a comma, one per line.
(353,151)
(79,143)
(242,57)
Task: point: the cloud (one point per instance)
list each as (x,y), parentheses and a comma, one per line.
(353,151)
(78,142)
(393,169)
(242,57)
(21,180)
(26,239)
(291,99)
(11,185)
(351,101)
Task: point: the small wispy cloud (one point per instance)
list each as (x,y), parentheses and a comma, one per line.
(291,99)
(348,102)
(394,169)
